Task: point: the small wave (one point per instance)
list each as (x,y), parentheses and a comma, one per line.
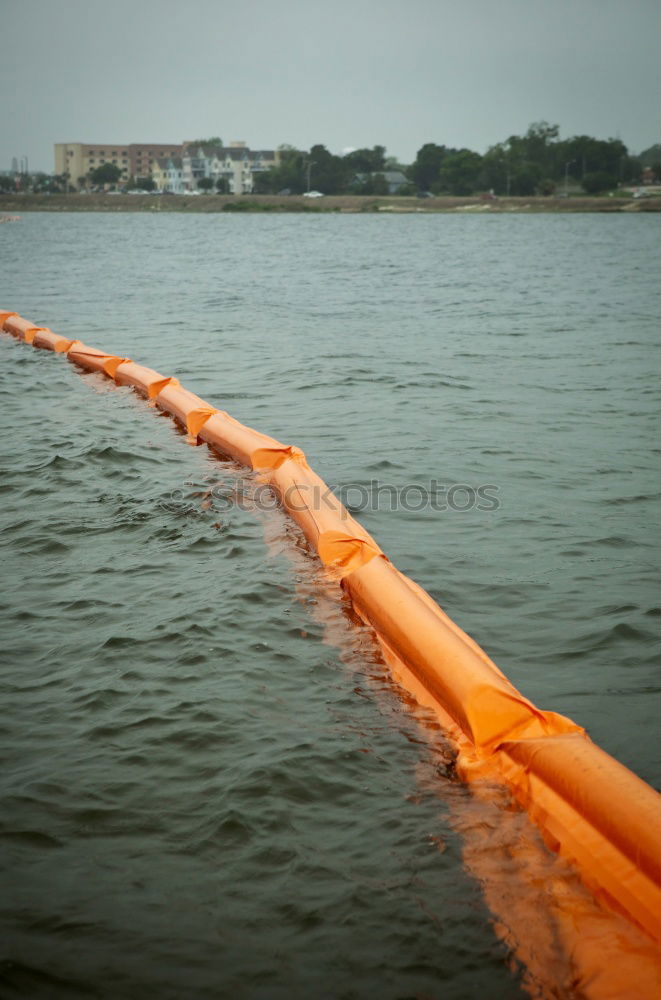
(32,981)
(110,455)
(637,498)
(31,838)
(43,546)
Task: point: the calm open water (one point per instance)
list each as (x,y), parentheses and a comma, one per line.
(210,786)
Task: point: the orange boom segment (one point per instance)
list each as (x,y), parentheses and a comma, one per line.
(21,328)
(244,444)
(94,360)
(187,409)
(145,380)
(326,523)
(597,813)
(459,675)
(50,341)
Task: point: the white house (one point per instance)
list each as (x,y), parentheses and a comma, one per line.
(236,163)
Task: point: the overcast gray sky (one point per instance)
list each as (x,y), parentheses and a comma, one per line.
(340,72)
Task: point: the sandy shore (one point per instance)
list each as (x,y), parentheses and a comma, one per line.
(15,204)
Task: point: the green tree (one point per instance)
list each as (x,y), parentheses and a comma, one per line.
(537,146)
(460,172)
(525,179)
(583,154)
(496,170)
(222,185)
(215,142)
(205,184)
(510,167)
(629,170)
(425,168)
(529,158)
(57,183)
(546,187)
(146,184)
(7,183)
(107,173)
(392,163)
(328,173)
(41,182)
(370,184)
(290,174)
(598,181)
(366,161)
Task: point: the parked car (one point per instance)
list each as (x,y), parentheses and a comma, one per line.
(313,194)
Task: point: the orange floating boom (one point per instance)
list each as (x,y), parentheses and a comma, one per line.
(594,811)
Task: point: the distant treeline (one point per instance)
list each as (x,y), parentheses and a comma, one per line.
(535,163)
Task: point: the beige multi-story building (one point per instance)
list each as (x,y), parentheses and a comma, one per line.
(135,160)
(143,157)
(174,168)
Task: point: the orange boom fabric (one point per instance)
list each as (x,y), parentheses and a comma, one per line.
(50,341)
(145,380)
(94,360)
(187,409)
(248,447)
(21,328)
(591,809)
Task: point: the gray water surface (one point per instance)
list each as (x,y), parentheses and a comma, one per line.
(211,788)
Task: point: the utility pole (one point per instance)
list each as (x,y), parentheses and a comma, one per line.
(567,166)
(309,166)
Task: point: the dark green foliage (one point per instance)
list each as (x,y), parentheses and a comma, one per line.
(366,161)
(289,175)
(651,155)
(599,181)
(370,184)
(424,171)
(328,173)
(546,187)
(214,142)
(107,173)
(460,172)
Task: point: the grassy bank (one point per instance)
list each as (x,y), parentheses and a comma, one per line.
(17,203)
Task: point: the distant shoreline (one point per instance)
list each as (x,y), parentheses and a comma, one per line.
(205,204)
